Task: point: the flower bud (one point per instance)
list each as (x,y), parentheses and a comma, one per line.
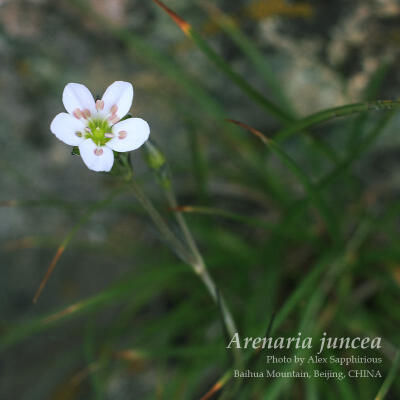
(157,162)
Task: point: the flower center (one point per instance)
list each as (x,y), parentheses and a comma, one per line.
(99,131)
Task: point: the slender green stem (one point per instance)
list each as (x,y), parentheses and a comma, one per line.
(160,223)
(193,257)
(200,266)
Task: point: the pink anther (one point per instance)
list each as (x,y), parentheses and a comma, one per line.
(99,105)
(114,109)
(77,113)
(113,119)
(86,113)
(98,152)
(109,135)
(122,134)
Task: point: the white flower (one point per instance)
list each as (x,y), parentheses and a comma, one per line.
(96,127)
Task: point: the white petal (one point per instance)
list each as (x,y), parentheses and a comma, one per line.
(77,96)
(95,157)
(129,134)
(119,94)
(65,127)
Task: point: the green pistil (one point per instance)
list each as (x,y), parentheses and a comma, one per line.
(98,128)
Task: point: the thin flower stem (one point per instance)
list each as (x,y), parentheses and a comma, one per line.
(193,258)
(160,223)
(200,267)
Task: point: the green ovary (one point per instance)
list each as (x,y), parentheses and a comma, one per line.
(98,128)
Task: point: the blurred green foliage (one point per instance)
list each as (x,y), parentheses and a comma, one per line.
(296,234)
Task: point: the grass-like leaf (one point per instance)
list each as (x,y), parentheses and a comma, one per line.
(302,177)
(332,113)
(85,217)
(253,93)
(389,379)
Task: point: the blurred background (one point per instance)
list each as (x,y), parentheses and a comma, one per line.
(122,317)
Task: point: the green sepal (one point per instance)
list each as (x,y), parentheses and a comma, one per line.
(75,151)
(127,116)
(122,165)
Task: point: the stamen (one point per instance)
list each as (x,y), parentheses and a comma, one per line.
(86,113)
(99,105)
(122,135)
(98,151)
(88,130)
(79,134)
(113,119)
(77,113)
(114,109)
(109,135)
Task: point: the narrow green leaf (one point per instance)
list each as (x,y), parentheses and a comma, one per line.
(383,391)
(84,218)
(310,188)
(370,93)
(331,113)
(280,114)
(251,51)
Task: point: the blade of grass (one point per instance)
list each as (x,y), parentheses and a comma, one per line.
(370,93)
(85,217)
(383,391)
(44,202)
(280,114)
(199,162)
(298,207)
(217,386)
(252,53)
(89,346)
(285,310)
(301,290)
(225,214)
(311,391)
(286,231)
(341,259)
(338,261)
(151,279)
(344,388)
(335,112)
(310,188)
(344,165)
